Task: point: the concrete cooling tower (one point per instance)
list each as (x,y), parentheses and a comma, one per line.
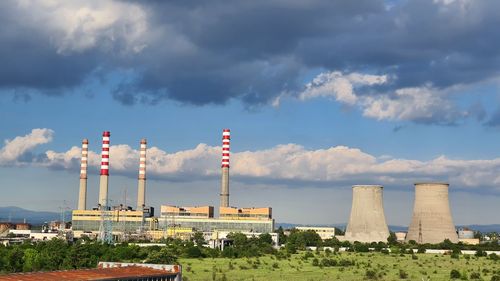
(367,222)
(431,222)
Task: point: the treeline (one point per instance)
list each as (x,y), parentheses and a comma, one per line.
(58,254)
(300,240)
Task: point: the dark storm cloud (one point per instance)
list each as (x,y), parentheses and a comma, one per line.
(203,52)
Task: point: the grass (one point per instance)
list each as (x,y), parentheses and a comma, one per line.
(368,266)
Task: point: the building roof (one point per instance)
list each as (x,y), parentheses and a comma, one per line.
(89,274)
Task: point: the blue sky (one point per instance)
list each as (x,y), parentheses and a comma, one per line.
(332,94)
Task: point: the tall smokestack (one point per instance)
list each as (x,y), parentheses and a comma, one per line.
(224,194)
(141,190)
(367,222)
(431,221)
(103,187)
(82,197)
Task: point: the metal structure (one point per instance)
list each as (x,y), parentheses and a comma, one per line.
(106,225)
(82,197)
(141,189)
(224,195)
(432,221)
(103,186)
(367,221)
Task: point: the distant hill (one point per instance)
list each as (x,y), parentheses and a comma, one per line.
(394,228)
(483,228)
(16,214)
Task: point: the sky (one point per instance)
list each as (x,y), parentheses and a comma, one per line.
(319,96)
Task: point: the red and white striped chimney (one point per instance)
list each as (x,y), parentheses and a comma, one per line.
(224,195)
(103,187)
(141,190)
(82,197)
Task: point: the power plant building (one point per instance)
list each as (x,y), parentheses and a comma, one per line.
(367,221)
(173,221)
(256,220)
(120,219)
(432,221)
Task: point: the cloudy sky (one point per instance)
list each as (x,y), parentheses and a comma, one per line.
(319,95)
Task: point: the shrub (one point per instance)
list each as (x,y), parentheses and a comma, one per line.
(308,254)
(371,274)
(421,249)
(480,253)
(343,262)
(276,265)
(403,274)
(455,274)
(495,278)
(315,262)
(493,256)
(475,275)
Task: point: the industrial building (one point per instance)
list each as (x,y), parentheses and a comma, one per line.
(367,221)
(107,221)
(432,221)
(323,232)
(231,219)
(110,222)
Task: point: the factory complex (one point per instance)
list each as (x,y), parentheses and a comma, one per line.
(431,220)
(111,223)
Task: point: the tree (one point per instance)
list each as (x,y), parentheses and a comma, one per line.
(15,259)
(392,239)
(281,236)
(31,260)
(163,256)
(198,238)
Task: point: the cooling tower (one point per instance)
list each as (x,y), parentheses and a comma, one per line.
(141,189)
(224,194)
(367,222)
(103,186)
(431,222)
(82,196)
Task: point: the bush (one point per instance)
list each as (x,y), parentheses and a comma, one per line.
(475,275)
(308,254)
(343,262)
(276,265)
(315,262)
(360,247)
(371,274)
(455,274)
(480,253)
(403,274)
(495,278)
(493,256)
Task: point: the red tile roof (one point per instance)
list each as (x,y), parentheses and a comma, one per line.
(89,274)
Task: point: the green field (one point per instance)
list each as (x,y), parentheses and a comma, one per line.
(367,266)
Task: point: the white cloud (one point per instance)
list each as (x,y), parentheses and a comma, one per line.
(340,86)
(16,147)
(281,164)
(413,104)
(76,26)
(424,104)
